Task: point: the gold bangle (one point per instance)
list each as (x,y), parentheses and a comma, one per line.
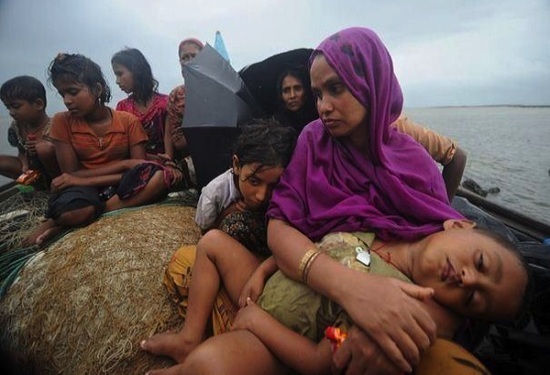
(305,259)
(308,266)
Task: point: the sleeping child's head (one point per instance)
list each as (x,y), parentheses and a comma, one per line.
(260,154)
(476,273)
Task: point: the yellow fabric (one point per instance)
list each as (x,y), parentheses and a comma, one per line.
(441,149)
(177,277)
(446,357)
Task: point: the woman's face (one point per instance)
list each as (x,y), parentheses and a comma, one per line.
(256,183)
(187,52)
(293,94)
(77,97)
(342,114)
(124,78)
(471,273)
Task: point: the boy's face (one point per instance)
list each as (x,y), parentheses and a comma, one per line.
(471,274)
(23,111)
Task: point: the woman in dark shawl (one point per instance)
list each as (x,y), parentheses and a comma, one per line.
(295,100)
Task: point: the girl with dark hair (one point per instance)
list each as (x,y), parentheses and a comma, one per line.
(134,77)
(235,202)
(97,148)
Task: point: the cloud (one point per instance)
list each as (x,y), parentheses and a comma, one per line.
(472,51)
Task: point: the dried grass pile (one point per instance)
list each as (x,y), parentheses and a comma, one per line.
(83,304)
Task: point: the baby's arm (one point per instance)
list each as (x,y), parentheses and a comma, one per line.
(296,351)
(255,285)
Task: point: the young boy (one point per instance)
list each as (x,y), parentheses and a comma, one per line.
(25,99)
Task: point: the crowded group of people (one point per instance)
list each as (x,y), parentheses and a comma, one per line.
(332,216)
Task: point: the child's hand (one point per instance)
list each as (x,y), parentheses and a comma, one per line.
(241,206)
(64,181)
(252,289)
(177,176)
(248,316)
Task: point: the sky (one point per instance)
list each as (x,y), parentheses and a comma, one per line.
(445,52)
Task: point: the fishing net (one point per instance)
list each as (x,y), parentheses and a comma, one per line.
(21,211)
(83,304)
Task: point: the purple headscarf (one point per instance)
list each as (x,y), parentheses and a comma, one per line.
(329,186)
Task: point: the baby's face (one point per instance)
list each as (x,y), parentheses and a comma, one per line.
(472,274)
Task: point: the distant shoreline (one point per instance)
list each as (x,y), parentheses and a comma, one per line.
(486,106)
(7,115)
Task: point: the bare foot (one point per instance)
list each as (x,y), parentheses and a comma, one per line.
(48,235)
(43,233)
(169,344)
(174,370)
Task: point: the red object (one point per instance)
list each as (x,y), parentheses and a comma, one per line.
(31,137)
(28,177)
(336,337)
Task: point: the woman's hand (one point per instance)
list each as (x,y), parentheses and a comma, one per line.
(360,355)
(388,310)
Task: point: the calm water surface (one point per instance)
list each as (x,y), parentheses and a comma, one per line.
(508,147)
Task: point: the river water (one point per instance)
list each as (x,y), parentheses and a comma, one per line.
(508,148)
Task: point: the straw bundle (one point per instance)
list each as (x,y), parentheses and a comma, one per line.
(83,305)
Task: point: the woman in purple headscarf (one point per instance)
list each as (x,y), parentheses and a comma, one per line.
(352,172)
